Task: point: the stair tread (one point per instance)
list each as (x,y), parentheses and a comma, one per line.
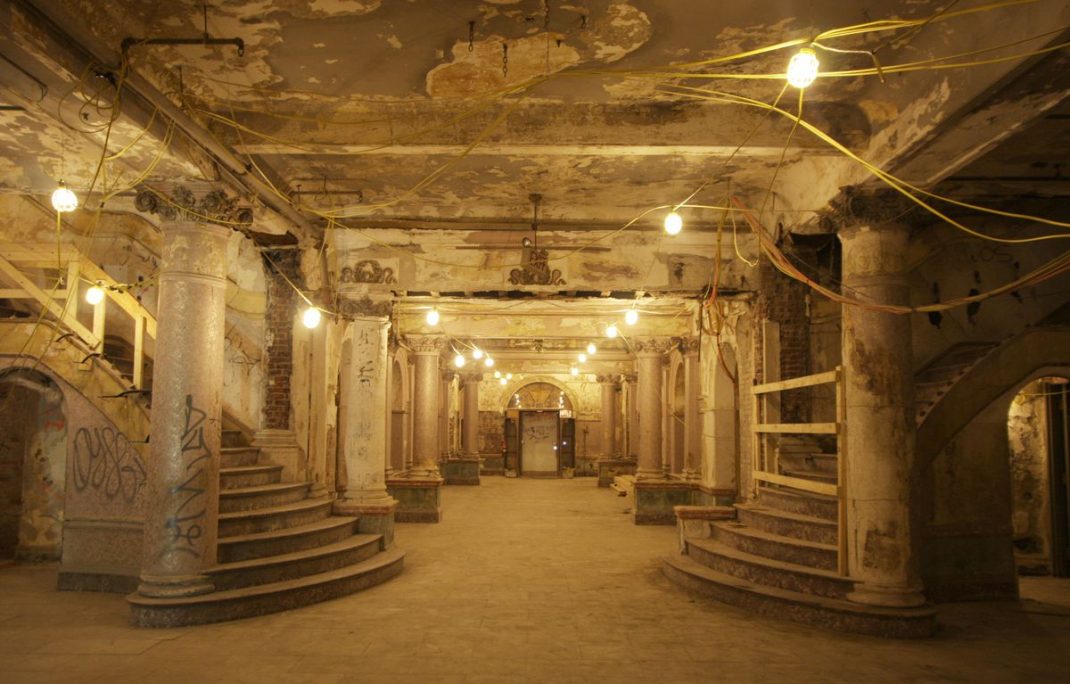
(809,474)
(776,512)
(264,489)
(379,560)
(799,493)
(693,567)
(238,448)
(739,528)
(716,547)
(318,526)
(262,468)
(302,505)
(356,541)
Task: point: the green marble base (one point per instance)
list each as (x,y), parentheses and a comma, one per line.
(419,499)
(461,471)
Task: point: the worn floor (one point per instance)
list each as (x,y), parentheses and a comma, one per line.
(523,581)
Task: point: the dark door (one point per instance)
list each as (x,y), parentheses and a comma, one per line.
(1059,458)
(568,443)
(512,446)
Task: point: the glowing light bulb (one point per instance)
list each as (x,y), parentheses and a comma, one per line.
(674,223)
(477,353)
(592,348)
(94,295)
(432,317)
(575,371)
(311,317)
(497,374)
(503,381)
(582,358)
(488,362)
(63,199)
(631,317)
(611,331)
(508,376)
(802,68)
(459,360)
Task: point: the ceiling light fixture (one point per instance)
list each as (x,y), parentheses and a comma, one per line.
(311,317)
(592,348)
(575,371)
(502,381)
(433,317)
(611,331)
(674,223)
(63,199)
(802,68)
(582,358)
(477,353)
(94,295)
(631,317)
(459,360)
(488,362)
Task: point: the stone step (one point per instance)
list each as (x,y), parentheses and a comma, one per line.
(265,598)
(249,476)
(235,457)
(787,549)
(797,501)
(329,530)
(355,549)
(264,496)
(795,525)
(810,462)
(274,518)
(233,438)
(843,616)
(772,573)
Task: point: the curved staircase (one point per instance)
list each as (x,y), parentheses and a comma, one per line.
(779,557)
(278,548)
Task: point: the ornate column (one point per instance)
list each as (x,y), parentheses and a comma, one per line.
(363,426)
(183,477)
(609,417)
(692,418)
(650,355)
(418,493)
(463,468)
(445,386)
(631,411)
(878,365)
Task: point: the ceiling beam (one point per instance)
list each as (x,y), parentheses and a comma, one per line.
(526,150)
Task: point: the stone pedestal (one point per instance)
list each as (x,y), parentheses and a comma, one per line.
(879,416)
(611,468)
(419,498)
(183,509)
(655,499)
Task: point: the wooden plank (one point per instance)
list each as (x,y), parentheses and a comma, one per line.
(139,350)
(18,293)
(797,428)
(126,301)
(825,488)
(72,288)
(99,311)
(49,303)
(794,383)
(841,469)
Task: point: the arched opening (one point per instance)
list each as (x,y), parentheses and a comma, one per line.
(540,431)
(1039,462)
(33,461)
(399,415)
(677,417)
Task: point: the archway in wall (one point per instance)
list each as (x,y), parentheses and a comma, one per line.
(399,416)
(1040,460)
(33,460)
(677,413)
(540,431)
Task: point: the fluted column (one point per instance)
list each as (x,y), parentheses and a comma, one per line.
(878,365)
(692,420)
(183,501)
(609,416)
(425,404)
(631,415)
(470,433)
(650,356)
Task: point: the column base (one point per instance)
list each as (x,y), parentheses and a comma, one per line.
(886,595)
(419,498)
(280,447)
(373,516)
(174,586)
(654,501)
(461,470)
(610,468)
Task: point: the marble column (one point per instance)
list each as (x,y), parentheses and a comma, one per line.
(363,426)
(425,404)
(470,434)
(650,355)
(445,387)
(183,478)
(609,417)
(631,413)
(692,418)
(878,364)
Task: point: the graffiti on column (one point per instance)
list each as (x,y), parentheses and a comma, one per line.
(366,348)
(104,460)
(186,523)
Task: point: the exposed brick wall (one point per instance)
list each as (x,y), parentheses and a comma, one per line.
(278,331)
(783,301)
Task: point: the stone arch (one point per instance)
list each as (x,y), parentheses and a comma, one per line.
(513,386)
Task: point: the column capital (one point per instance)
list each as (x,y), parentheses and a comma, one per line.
(447,374)
(858,207)
(208,205)
(629,378)
(689,346)
(366,307)
(608,379)
(426,344)
(471,378)
(649,346)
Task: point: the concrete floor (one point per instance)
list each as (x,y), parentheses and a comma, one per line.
(523,581)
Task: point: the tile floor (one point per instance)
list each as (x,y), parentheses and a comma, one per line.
(523,581)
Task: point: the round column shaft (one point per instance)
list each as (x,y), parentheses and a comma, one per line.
(470,434)
(364,390)
(650,355)
(425,401)
(609,416)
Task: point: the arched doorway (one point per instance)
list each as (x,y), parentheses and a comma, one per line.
(33,460)
(1040,460)
(540,431)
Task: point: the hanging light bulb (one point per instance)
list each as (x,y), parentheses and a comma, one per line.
(497,374)
(94,295)
(502,381)
(611,331)
(311,317)
(674,223)
(488,362)
(631,317)
(433,317)
(582,358)
(63,199)
(477,353)
(592,348)
(575,371)
(508,376)
(459,360)
(802,68)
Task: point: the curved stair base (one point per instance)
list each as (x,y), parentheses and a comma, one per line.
(836,614)
(265,598)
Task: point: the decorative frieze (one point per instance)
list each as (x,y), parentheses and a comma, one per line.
(535,267)
(213,206)
(367,271)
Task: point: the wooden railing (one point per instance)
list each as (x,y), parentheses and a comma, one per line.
(766,470)
(79,273)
